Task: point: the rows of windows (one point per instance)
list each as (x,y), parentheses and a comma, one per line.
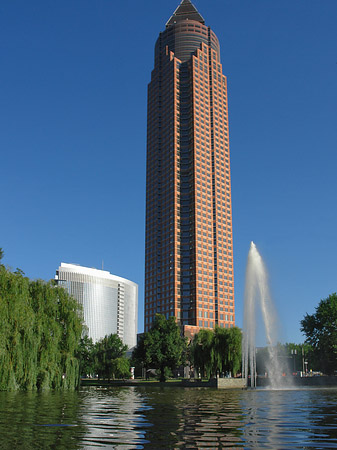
(203,130)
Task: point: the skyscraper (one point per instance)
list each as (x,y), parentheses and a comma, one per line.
(189,252)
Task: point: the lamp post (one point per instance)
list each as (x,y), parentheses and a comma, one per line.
(294,353)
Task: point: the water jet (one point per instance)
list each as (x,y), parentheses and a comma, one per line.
(257,297)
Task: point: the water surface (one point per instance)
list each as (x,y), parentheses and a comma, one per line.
(169,418)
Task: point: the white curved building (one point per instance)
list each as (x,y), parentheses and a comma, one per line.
(110,303)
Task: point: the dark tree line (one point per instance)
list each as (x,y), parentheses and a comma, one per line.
(319,351)
(210,352)
(292,358)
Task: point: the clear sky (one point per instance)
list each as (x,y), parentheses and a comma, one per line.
(73,94)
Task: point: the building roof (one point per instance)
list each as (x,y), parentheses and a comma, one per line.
(185,11)
(91,271)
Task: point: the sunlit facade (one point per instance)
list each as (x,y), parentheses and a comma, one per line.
(110,303)
(189,252)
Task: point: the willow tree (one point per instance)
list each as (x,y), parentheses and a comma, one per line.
(16,335)
(201,352)
(218,350)
(40,329)
(233,353)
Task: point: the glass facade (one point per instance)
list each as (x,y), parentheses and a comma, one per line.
(110,303)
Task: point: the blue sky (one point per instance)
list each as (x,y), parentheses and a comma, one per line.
(73,88)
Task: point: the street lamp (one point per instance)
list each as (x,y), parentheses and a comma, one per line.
(306,367)
(294,353)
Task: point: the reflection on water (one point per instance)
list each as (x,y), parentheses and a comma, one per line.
(198,418)
(114,417)
(169,418)
(290,419)
(40,421)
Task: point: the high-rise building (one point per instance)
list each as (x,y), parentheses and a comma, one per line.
(110,303)
(189,251)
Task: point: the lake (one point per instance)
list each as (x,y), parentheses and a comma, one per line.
(169,418)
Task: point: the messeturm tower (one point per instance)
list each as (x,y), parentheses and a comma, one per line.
(189,250)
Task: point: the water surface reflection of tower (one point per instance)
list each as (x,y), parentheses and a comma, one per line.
(189,253)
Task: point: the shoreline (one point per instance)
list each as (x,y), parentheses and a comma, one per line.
(220,383)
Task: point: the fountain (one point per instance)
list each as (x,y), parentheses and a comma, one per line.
(257,294)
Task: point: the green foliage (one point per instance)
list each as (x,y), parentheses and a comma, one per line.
(201,352)
(40,328)
(216,351)
(321,333)
(106,357)
(233,359)
(162,347)
(121,368)
(110,360)
(85,355)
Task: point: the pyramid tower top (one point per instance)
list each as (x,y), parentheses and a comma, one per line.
(185,11)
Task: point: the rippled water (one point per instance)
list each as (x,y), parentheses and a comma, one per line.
(169,418)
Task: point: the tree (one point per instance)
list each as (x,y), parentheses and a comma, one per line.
(201,352)
(217,350)
(121,368)
(107,351)
(321,333)
(233,354)
(40,329)
(162,347)
(85,355)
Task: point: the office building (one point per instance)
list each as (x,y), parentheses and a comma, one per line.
(110,303)
(189,251)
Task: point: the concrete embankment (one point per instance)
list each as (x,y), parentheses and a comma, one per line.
(219,383)
(322,381)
